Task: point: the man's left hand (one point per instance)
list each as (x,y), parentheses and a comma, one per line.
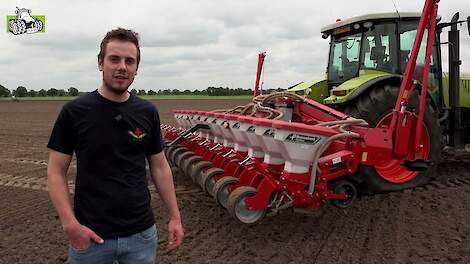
(175,234)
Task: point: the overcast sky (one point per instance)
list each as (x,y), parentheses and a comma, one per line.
(188,44)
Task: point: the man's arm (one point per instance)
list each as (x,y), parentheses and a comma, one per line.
(163,181)
(57,167)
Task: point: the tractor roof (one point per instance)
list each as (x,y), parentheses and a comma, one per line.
(373,17)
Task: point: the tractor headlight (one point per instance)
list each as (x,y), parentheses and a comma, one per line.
(340,92)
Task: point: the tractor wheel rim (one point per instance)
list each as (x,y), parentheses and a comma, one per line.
(246,215)
(392,170)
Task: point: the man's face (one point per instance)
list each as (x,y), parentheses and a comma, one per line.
(119,65)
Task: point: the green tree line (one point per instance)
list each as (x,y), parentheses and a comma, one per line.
(22,91)
(209,91)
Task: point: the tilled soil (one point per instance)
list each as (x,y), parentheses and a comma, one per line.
(425,225)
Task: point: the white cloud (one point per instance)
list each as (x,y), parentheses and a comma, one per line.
(188,44)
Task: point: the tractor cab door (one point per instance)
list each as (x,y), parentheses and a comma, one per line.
(344,58)
(378,48)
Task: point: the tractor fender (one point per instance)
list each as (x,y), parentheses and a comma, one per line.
(318,89)
(392,79)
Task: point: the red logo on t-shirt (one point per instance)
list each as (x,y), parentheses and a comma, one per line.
(137,134)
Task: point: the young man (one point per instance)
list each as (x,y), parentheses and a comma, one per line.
(112,132)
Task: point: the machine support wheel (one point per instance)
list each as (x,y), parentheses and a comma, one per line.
(183,156)
(196,169)
(171,150)
(207,181)
(168,150)
(188,163)
(237,208)
(220,191)
(174,154)
(344,187)
(375,106)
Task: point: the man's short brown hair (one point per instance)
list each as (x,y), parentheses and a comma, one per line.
(121,34)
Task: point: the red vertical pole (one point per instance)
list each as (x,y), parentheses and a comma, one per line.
(261,57)
(427,62)
(427,21)
(406,84)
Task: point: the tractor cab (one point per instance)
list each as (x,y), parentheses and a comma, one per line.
(24,14)
(370,48)
(375,44)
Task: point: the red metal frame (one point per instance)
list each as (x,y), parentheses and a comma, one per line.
(400,116)
(261,57)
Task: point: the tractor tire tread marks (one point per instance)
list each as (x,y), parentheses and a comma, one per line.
(355,234)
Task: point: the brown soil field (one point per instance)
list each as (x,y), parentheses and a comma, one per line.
(425,225)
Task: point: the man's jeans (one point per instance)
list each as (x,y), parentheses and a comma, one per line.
(138,248)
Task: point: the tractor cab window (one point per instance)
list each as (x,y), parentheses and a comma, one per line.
(378,48)
(344,58)
(407,37)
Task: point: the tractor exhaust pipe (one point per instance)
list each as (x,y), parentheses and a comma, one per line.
(457,137)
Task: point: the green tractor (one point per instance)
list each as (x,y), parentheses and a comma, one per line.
(367,59)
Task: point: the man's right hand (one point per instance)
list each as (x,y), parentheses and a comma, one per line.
(80,236)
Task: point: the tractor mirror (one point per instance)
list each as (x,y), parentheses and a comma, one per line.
(455,18)
(308,91)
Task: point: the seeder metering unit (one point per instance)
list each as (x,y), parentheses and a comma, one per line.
(285,150)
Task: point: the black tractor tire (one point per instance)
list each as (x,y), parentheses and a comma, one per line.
(21,26)
(14,27)
(40,25)
(372,106)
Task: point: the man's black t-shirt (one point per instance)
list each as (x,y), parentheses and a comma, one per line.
(111,142)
